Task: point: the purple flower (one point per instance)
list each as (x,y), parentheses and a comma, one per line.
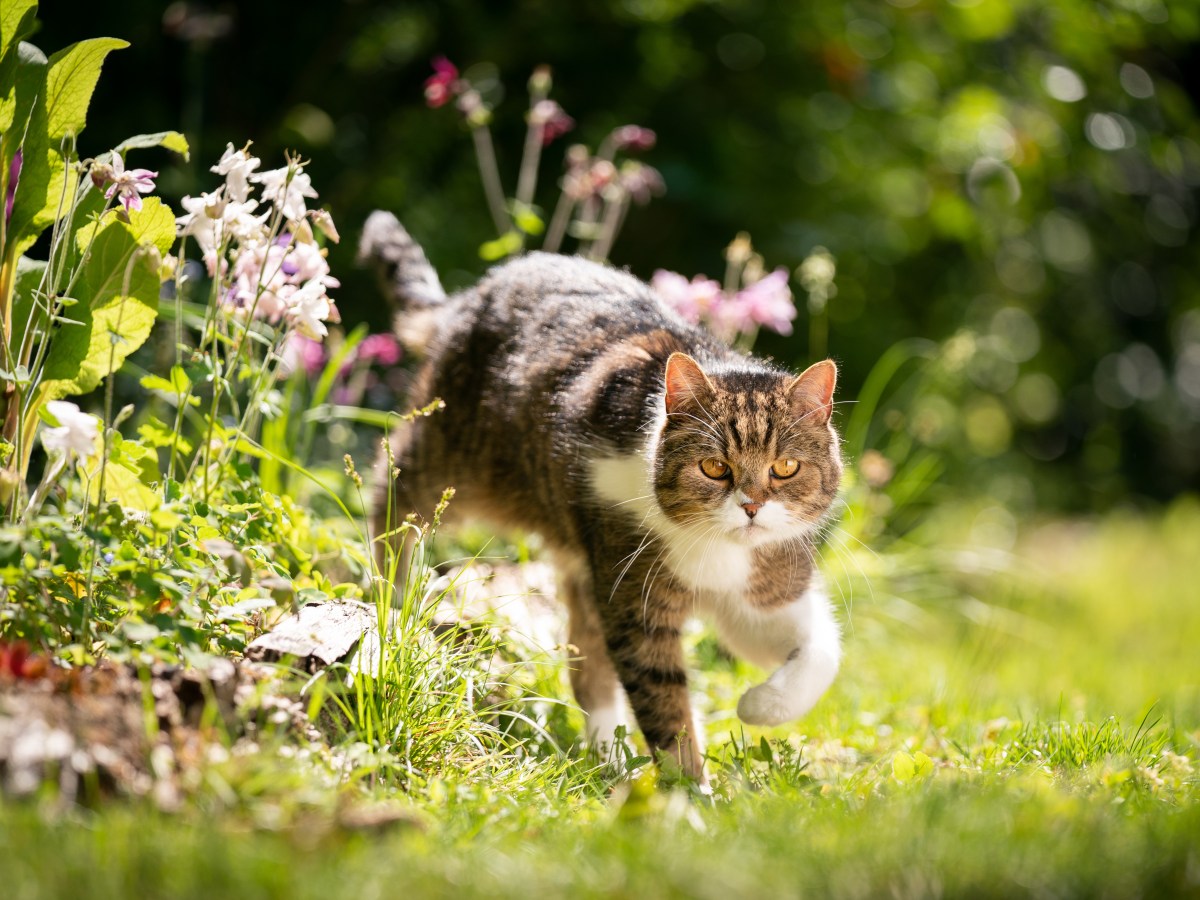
(443,83)
(14,175)
(768,302)
(128,185)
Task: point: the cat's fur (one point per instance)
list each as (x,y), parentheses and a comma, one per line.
(579,407)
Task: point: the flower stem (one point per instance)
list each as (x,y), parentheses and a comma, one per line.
(614,217)
(485,155)
(558,224)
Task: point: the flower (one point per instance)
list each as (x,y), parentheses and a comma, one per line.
(767,302)
(300,352)
(632,137)
(128,185)
(555,123)
(443,83)
(286,188)
(76,432)
(641,181)
(693,300)
(309,308)
(237,166)
(381,348)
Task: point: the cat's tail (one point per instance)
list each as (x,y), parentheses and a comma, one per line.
(405,274)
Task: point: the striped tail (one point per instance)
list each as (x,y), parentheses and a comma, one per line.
(405,274)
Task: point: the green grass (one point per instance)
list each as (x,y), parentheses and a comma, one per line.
(1035,732)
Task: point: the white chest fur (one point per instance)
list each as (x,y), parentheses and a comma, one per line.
(700,558)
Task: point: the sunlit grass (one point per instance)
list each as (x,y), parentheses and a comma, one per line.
(1030,732)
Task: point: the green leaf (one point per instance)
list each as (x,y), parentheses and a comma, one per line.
(157,383)
(122,291)
(16,21)
(130,470)
(907,768)
(171,140)
(904,768)
(505,245)
(527,220)
(70,82)
(154,224)
(28,133)
(26,309)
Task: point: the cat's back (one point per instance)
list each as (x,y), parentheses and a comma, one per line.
(568,302)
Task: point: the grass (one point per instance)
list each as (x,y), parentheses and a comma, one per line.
(1030,733)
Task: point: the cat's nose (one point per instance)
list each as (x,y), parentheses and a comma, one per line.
(751,508)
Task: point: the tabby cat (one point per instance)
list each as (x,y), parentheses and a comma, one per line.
(667,473)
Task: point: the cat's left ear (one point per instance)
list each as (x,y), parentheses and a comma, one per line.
(812,392)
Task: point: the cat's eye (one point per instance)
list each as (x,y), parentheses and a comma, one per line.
(785,468)
(714,468)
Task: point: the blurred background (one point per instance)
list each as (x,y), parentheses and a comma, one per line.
(1009,188)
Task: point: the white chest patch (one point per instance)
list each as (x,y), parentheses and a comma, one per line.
(698,556)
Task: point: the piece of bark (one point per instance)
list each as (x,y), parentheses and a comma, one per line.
(318,635)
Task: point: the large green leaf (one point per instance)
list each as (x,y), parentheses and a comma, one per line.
(70,82)
(119,302)
(25,312)
(28,134)
(171,140)
(154,224)
(16,21)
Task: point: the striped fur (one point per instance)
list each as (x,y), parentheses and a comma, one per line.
(578,406)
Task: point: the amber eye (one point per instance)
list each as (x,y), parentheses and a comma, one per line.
(714,468)
(785,468)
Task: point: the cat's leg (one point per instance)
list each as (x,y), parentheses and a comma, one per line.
(593,679)
(642,619)
(801,638)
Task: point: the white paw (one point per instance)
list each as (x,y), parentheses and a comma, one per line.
(765,704)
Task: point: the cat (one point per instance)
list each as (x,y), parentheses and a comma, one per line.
(667,473)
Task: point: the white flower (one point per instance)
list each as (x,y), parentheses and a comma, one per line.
(308,308)
(76,432)
(237,166)
(286,188)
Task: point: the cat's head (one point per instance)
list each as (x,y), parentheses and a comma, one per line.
(748,455)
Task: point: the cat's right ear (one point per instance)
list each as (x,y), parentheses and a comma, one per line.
(686,383)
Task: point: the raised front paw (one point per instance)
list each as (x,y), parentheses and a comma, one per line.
(766,705)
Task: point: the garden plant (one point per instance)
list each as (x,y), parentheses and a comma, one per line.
(196,398)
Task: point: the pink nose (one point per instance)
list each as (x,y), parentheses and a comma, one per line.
(751,508)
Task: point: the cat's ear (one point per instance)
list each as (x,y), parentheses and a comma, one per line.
(812,392)
(686,382)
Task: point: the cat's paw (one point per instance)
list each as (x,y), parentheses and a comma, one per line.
(765,704)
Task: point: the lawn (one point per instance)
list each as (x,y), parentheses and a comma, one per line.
(1009,722)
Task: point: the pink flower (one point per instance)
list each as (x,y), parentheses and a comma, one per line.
(381,348)
(768,302)
(633,137)
(443,83)
(128,185)
(555,123)
(300,352)
(691,299)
